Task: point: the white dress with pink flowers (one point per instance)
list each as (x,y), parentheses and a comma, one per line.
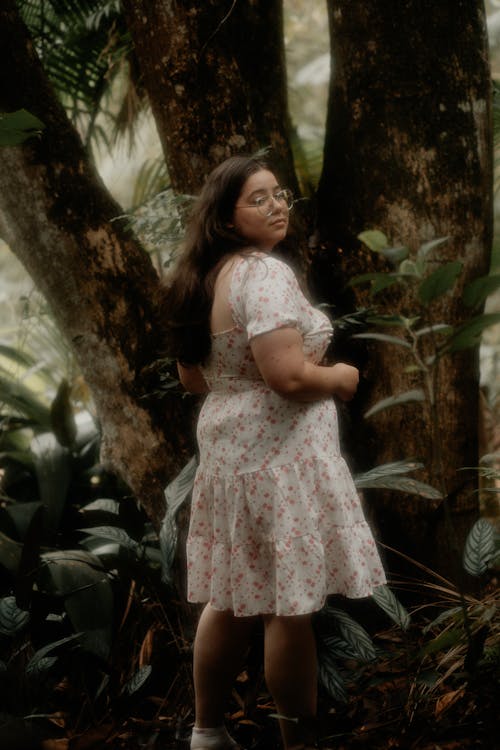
(276,522)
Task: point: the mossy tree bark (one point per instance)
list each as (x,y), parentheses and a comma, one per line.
(216,78)
(408,151)
(60,221)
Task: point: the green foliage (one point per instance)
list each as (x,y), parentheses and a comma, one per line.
(17,127)
(85,48)
(429,281)
(479,548)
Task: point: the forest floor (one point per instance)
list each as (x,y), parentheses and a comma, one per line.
(392,704)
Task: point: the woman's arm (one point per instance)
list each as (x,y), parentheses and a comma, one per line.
(192,379)
(279,355)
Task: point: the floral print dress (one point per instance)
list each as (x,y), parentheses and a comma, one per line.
(276,522)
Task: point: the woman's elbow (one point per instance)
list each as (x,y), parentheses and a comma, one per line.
(285,385)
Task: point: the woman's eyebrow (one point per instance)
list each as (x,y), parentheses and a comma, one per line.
(263,191)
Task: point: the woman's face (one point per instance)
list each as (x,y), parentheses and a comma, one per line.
(261,213)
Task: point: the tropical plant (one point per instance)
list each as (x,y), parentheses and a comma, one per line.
(86,50)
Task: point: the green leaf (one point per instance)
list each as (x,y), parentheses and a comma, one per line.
(62,417)
(478,290)
(410,269)
(10,553)
(337,647)
(469,334)
(479,548)
(383,337)
(353,633)
(403,398)
(389,476)
(16,127)
(439,282)
(389,603)
(138,680)
(12,618)
(105,504)
(374,239)
(427,247)
(176,494)
(41,654)
(21,399)
(443,641)
(22,514)
(330,678)
(53,466)
(82,581)
(441,328)
(395,254)
(113,534)
(443,617)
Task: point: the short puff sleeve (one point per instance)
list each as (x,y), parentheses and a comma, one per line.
(266,296)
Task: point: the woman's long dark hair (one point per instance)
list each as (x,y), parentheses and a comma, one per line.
(187,300)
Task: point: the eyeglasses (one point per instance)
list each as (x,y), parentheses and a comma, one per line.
(265,203)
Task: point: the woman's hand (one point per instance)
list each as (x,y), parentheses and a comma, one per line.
(192,379)
(347,379)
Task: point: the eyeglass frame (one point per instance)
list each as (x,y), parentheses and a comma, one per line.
(285,194)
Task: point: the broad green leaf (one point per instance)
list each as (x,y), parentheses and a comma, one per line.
(10,553)
(106,504)
(443,617)
(379,281)
(353,633)
(441,328)
(427,247)
(395,254)
(39,668)
(383,337)
(62,417)
(22,514)
(384,283)
(390,477)
(374,239)
(176,494)
(138,680)
(389,603)
(113,534)
(409,268)
(12,618)
(331,679)
(16,127)
(443,641)
(469,334)
(439,282)
(81,580)
(478,290)
(338,648)
(392,468)
(402,398)
(402,484)
(479,548)
(21,399)
(42,652)
(53,466)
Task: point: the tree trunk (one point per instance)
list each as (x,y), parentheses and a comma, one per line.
(408,151)
(59,220)
(216,78)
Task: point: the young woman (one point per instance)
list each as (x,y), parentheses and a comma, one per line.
(276,524)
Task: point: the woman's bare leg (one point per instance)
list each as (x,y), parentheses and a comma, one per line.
(290,665)
(219,647)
